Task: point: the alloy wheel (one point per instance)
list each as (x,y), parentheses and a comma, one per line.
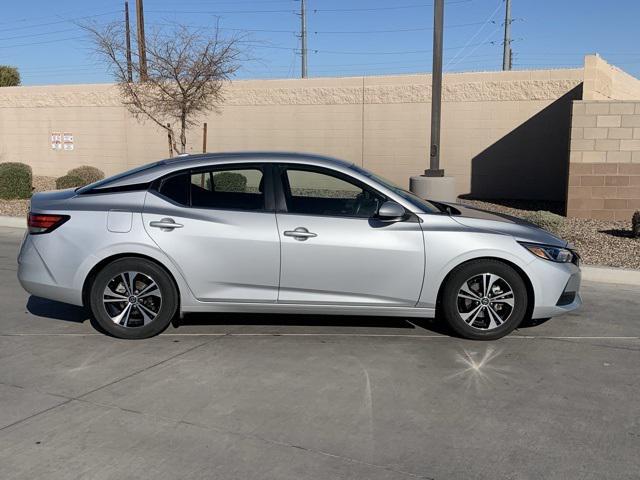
(485,301)
(132,299)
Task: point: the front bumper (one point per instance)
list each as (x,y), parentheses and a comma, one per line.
(556,288)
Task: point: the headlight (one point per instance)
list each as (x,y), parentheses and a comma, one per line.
(555,254)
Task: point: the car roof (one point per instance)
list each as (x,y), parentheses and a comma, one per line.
(152,171)
(207,158)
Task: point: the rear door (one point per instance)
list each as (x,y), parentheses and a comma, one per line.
(333,249)
(218,226)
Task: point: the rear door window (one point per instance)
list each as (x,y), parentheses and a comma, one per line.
(226,189)
(238,189)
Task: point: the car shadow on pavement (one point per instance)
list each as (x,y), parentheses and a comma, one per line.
(306,320)
(42,307)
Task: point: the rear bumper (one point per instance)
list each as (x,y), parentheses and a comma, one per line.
(36,278)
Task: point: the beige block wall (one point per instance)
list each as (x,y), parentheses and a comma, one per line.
(603,81)
(604,181)
(495,126)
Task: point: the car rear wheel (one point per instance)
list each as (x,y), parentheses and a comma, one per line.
(484,299)
(133,298)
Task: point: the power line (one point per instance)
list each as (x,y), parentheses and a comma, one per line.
(406,52)
(42,43)
(396,7)
(220,12)
(399,30)
(478,32)
(60,21)
(323,32)
(317,10)
(39,34)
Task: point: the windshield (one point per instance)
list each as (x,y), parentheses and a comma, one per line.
(421,203)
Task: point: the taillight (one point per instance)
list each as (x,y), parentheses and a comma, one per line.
(43,223)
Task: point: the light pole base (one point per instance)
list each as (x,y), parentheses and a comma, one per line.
(441,189)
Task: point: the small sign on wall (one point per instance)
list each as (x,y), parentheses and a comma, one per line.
(56,141)
(62,141)
(67,141)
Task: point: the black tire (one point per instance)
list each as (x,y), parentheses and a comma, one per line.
(477,329)
(165,304)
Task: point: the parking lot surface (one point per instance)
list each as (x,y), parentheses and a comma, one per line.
(293,397)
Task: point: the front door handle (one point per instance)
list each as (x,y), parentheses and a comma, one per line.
(166,224)
(300,234)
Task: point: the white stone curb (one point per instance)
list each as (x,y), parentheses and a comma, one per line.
(621,276)
(13,222)
(590,273)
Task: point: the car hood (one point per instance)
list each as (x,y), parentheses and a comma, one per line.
(520,229)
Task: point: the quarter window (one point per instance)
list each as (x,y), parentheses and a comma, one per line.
(320,193)
(176,188)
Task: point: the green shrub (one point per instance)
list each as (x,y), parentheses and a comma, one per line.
(15,180)
(87,174)
(546,220)
(9,76)
(69,181)
(229,182)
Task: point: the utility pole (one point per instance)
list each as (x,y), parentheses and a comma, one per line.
(433,184)
(506,54)
(128,40)
(303,36)
(142,49)
(436,91)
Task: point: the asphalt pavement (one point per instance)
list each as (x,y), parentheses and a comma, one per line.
(310,397)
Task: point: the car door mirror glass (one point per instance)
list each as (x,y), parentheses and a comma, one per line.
(391,212)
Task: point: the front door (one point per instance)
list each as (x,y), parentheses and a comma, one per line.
(333,251)
(214,225)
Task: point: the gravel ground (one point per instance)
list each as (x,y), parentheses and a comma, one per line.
(598,242)
(19,208)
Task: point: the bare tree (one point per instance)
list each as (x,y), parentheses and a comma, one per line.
(186,72)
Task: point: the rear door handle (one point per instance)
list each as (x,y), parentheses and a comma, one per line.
(300,233)
(166,224)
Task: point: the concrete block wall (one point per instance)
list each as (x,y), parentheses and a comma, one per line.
(496,127)
(604,173)
(603,81)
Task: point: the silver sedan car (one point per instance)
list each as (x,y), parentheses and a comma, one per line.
(286,233)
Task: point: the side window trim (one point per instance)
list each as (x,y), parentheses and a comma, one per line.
(280,189)
(265,168)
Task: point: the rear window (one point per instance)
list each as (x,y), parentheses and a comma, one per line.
(105,183)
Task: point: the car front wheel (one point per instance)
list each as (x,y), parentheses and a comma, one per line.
(133,298)
(484,299)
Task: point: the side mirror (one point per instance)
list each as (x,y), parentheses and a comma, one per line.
(391,212)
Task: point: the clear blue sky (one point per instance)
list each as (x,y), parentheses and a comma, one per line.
(346,37)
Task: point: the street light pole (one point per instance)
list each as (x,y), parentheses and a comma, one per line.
(433,185)
(436,91)
(128,40)
(506,52)
(303,35)
(142,49)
